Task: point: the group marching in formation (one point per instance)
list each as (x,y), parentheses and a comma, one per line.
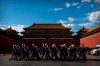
(46,52)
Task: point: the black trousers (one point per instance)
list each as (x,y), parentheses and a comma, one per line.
(54,55)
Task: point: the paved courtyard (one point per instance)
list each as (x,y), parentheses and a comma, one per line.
(92,61)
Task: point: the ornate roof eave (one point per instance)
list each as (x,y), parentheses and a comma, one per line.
(10,30)
(31,27)
(91,30)
(83,30)
(7,34)
(47,33)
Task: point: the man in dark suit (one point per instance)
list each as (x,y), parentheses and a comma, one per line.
(82,52)
(14,53)
(65,52)
(72,52)
(61,52)
(47,52)
(54,51)
(43,51)
(34,52)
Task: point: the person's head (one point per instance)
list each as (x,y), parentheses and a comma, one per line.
(24,45)
(61,45)
(73,44)
(53,45)
(46,44)
(13,45)
(81,45)
(64,45)
(33,44)
(43,44)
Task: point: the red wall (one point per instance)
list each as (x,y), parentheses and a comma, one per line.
(6,42)
(91,41)
(50,42)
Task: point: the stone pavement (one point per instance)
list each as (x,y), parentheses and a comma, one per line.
(92,61)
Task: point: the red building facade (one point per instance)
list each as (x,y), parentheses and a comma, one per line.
(91,37)
(48,33)
(7,38)
(38,34)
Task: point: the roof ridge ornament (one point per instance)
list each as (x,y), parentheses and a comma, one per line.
(83,26)
(34,23)
(10,27)
(59,23)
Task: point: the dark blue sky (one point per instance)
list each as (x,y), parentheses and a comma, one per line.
(74,13)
